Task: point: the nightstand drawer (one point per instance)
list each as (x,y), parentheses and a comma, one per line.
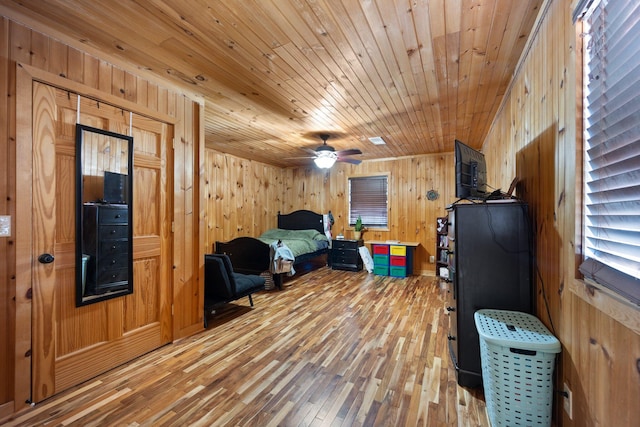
(345,257)
(346,244)
(344,252)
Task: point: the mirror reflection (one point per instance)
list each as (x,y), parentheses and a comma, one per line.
(104,237)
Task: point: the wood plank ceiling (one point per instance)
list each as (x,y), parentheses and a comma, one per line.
(276,73)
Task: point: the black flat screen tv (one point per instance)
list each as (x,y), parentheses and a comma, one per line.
(116,188)
(471,172)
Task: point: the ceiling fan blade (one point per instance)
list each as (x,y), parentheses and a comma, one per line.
(300,157)
(348,160)
(349,152)
(310,151)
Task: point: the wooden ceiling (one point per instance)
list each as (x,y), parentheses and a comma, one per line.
(276,73)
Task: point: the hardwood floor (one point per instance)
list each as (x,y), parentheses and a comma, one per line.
(333,348)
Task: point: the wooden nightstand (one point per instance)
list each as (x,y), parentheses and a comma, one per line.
(345,255)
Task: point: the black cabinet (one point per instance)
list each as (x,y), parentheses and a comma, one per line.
(345,255)
(490,266)
(106,243)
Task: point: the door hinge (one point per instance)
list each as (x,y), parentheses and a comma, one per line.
(173,226)
(173,143)
(172,309)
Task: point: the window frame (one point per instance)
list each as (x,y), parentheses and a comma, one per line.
(597,295)
(387,175)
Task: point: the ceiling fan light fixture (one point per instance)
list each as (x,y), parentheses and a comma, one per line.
(325,159)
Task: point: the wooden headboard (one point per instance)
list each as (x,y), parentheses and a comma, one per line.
(301,220)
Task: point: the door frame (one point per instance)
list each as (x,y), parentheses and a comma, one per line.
(25,76)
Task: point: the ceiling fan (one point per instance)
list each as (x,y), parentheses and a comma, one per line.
(325,155)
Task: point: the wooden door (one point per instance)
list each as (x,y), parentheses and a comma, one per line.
(72,344)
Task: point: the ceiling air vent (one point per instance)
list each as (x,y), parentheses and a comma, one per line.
(377,140)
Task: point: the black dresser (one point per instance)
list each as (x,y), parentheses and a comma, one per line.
(106,242)
(490,266)
(345,255)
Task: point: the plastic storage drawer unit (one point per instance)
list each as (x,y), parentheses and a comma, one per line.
(517,354)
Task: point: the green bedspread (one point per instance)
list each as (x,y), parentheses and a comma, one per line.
(299,241)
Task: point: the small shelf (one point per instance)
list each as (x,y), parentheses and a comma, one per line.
(442,245)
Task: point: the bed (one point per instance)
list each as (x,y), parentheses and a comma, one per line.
(250,255)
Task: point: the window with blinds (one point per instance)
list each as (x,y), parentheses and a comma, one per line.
(368,198)
(611,102)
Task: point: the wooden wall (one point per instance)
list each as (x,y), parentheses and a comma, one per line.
(412,217)
(534,137)
(243,197)
(7,246)
(64,64)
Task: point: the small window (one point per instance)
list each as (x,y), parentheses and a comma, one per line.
(369,199)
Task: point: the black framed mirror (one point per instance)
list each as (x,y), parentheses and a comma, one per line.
(104,215)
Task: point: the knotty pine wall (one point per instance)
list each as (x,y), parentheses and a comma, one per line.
(534,137)
(21,45)
(243,197)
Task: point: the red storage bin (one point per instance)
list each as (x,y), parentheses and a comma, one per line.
(398,261)
(380,249)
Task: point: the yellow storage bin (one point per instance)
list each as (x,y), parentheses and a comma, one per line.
(398,250)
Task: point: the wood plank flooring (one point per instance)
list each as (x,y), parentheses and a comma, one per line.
(332,348)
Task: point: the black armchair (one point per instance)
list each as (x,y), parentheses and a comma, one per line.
(223,285)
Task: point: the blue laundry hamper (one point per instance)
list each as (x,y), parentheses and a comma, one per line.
(517,354)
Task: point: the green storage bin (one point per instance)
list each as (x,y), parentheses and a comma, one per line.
(381,260)
(381,270)
(398,271)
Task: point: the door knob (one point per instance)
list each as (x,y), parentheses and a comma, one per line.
(46,258)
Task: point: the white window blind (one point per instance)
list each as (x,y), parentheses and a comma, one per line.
(368,198)
(612,140)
